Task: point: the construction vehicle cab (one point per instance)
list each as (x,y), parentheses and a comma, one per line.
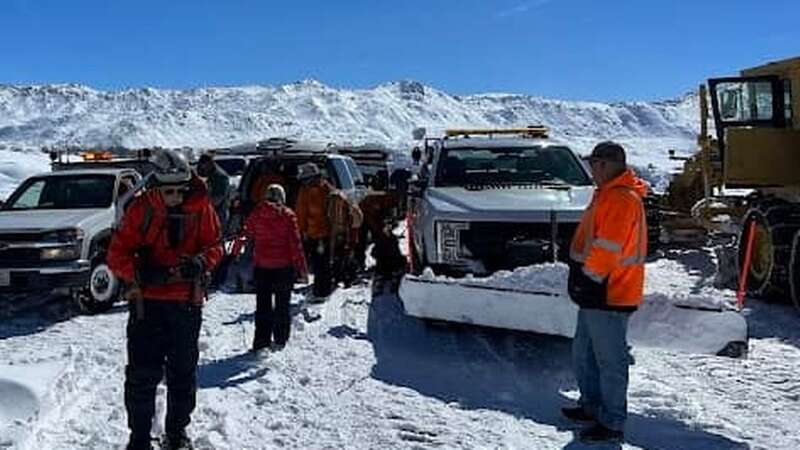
(756,147)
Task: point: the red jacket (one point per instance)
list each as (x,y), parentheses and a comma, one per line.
(274,229)
(143,234)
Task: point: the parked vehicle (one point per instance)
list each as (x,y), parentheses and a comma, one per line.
(54,232)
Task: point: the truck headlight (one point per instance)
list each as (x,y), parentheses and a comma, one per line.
(67,244)
(448,240)
(62,253)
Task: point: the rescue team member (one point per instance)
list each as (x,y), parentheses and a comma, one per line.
(345,219)
(278,260)
(219,185)
(315,228)
(380,209)
(168,240)
(606,278)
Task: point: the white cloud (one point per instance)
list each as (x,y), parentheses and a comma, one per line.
(522,8)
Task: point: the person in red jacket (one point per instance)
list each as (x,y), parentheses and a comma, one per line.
(278,260)
(168,241)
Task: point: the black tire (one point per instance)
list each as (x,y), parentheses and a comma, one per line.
(776,223)
(794,270)
(102,291)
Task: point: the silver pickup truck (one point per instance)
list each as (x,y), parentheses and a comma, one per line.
(54,231)
(489,200)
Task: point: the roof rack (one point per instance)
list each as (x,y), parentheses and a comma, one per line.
(531,131)
(366,153)
(288,145)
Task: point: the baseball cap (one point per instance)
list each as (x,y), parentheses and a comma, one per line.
(607,151)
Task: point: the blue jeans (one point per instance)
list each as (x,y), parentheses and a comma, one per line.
(600,356)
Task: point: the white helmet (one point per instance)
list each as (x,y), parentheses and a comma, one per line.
(275,194)
(307,171)
(170,167)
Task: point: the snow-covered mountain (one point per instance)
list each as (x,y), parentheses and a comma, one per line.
(36,116)
(33,116)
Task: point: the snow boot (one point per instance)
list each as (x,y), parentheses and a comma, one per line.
(277,346)
(177,441)
(578,414)
(598,434)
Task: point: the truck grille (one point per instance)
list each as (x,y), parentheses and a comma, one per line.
(18,255)
(505,246)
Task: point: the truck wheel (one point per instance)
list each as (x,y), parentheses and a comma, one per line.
(102,291)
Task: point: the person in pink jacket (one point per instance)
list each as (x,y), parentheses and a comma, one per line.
(278,261)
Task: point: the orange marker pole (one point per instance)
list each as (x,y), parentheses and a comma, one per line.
(748,254)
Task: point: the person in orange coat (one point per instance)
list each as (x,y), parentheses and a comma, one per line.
(606,280)
(278,261)
(315,227)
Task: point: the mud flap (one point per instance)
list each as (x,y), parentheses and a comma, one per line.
(657,323)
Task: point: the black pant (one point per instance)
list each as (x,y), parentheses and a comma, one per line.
(319,251)
(272,324)
(163,342)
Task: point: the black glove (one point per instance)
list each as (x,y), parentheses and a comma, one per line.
(583,290)
(191,267)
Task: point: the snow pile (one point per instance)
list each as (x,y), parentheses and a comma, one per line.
(26,393)
(36,116)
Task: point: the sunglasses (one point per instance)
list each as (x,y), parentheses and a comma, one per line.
(173,191)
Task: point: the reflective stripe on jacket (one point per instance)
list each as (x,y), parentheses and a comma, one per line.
(611,239)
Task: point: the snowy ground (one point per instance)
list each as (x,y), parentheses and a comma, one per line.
(367,376)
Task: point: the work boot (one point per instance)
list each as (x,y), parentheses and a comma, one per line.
(600,434)
(260,345)
(176,441)
(577,414)
(277,346)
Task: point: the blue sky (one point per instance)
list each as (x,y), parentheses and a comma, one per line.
(571,49)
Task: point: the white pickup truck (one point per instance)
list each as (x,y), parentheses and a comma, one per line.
(488,202)
(54,232)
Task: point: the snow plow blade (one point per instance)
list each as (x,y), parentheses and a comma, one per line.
(658,323)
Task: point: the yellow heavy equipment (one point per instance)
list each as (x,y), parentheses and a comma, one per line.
(756,146)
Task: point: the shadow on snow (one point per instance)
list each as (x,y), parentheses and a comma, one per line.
(522,374)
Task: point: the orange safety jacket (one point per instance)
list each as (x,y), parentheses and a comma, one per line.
(312,210)
(611,240)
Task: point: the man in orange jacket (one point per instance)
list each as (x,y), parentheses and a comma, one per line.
(168,241)
(315,227)
(606,279)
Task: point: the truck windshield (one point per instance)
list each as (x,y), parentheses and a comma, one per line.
(63,192)
(524,165)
